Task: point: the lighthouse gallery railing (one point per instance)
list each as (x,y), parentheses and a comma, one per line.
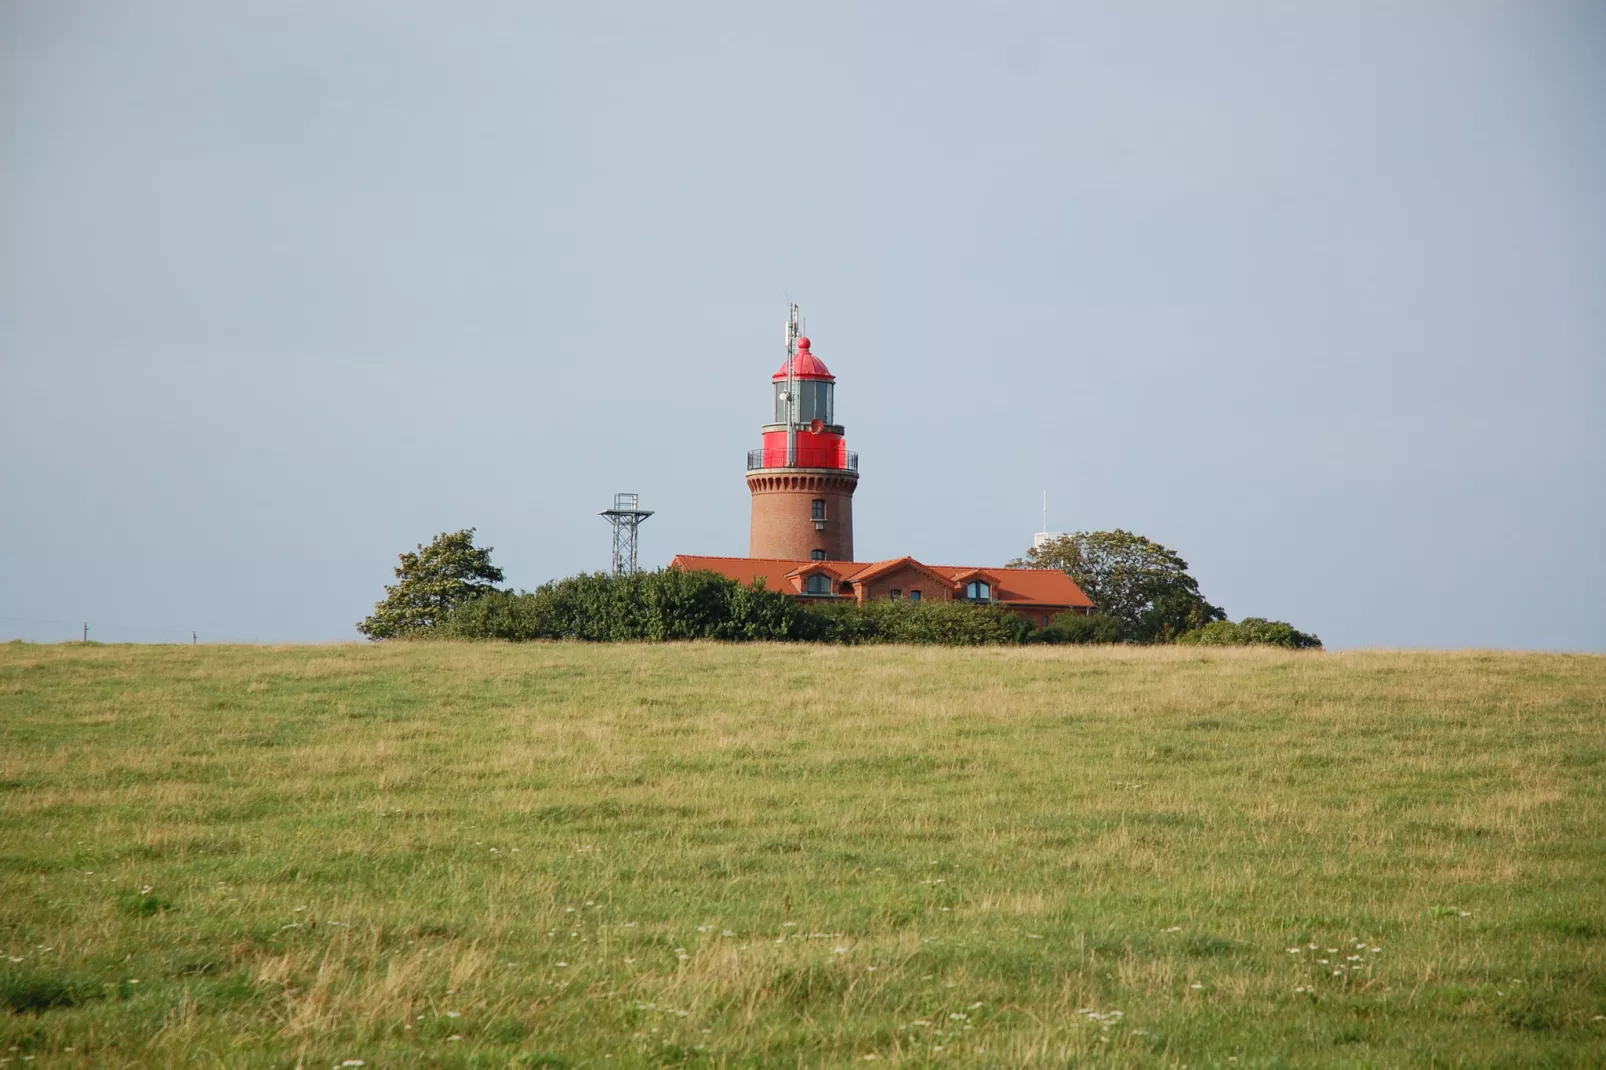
(805,459)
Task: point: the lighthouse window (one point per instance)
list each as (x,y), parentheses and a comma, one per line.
(818,555)
(814,401)
(818,509)
(819,583)
(977,591)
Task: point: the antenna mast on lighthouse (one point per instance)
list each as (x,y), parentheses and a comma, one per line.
(791,386)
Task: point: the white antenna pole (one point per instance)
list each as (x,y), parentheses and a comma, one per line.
(791,386)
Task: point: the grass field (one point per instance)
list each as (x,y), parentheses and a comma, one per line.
(800,856)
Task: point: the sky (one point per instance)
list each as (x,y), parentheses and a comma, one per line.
(1313,294)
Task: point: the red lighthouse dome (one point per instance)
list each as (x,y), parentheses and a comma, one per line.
(805,365)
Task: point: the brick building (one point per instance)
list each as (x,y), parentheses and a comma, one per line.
(1038,594)
(800,540)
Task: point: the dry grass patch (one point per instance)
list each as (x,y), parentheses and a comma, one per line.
(771,855)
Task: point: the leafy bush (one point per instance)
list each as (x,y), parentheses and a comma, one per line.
(654,606)
(498,615)
(673,604)
(1251,631)
(1073,628)
(934,622)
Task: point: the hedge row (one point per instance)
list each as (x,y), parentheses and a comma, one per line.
(674,604)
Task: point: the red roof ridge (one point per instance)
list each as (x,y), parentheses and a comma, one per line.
(906,561)
(1001,568)
(721,557)
(805,567)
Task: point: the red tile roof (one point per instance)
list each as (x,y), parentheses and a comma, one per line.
(773,571)
(1025,586)
(1016,586)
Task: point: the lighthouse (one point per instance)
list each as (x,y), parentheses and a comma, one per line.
(802,479)
(800,545)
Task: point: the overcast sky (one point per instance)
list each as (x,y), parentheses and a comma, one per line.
(1314,294)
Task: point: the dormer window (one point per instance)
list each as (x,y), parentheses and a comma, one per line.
(979,591)
(819,583)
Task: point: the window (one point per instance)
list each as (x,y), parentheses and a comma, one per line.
(819,583)
(818,509)
(1045,620)
(814,401)
(914,596)
(818,555)
(896,594)
(978,591)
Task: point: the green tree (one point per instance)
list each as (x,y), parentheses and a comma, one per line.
(1134,580)
(430,583)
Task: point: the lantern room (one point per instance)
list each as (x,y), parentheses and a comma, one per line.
(815,385)
(820,442)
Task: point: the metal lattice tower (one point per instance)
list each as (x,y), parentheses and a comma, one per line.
(626,517)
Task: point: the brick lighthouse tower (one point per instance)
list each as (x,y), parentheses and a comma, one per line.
(802,480)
